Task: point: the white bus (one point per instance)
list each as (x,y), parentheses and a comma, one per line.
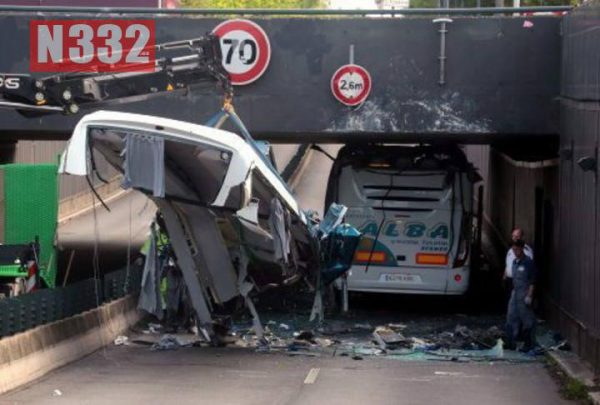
(414,207)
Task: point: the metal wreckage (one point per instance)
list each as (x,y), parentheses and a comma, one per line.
(234,226)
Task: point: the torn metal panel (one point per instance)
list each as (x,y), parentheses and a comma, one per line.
(186,263)
(149,299)
(144,163)
(280,230)
(245,287)
(212,252)
(257,241)
(337,251)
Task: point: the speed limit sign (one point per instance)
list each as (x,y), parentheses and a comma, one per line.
(245,48)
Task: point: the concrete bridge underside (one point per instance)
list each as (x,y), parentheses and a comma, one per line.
(501,79)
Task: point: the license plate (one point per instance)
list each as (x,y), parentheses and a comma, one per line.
(400,278)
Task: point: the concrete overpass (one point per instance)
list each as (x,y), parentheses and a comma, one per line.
(501,78)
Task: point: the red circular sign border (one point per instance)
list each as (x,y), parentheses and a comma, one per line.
(240,79)
(353,69)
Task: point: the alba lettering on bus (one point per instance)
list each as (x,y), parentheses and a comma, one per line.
(411,230)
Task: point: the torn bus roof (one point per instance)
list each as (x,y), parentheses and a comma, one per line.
(76,159)
(234,225)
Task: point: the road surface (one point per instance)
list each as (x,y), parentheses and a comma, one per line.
(137,375)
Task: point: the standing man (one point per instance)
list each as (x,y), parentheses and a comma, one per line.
(520,316)
(517,234)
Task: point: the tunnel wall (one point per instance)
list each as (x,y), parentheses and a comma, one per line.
(501,78)
(576,293)
(518,193)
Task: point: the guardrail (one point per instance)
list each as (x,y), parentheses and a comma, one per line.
(18,314)
(121,283)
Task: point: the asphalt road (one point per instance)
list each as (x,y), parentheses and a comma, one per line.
(137,375)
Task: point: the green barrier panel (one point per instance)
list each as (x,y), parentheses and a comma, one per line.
(31,209)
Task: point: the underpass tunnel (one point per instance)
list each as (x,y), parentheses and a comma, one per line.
(521,190)
(519,180)
(520,183)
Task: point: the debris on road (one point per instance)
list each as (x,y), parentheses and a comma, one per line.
(386,338)
(449,373)
(454,339)
(121,340)
(167,342)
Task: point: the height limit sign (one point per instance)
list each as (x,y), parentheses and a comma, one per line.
(351,84)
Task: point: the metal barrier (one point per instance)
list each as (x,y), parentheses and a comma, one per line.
(18,314)
(120,283)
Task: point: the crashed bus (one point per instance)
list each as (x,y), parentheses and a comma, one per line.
(234,226)
(414,208)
